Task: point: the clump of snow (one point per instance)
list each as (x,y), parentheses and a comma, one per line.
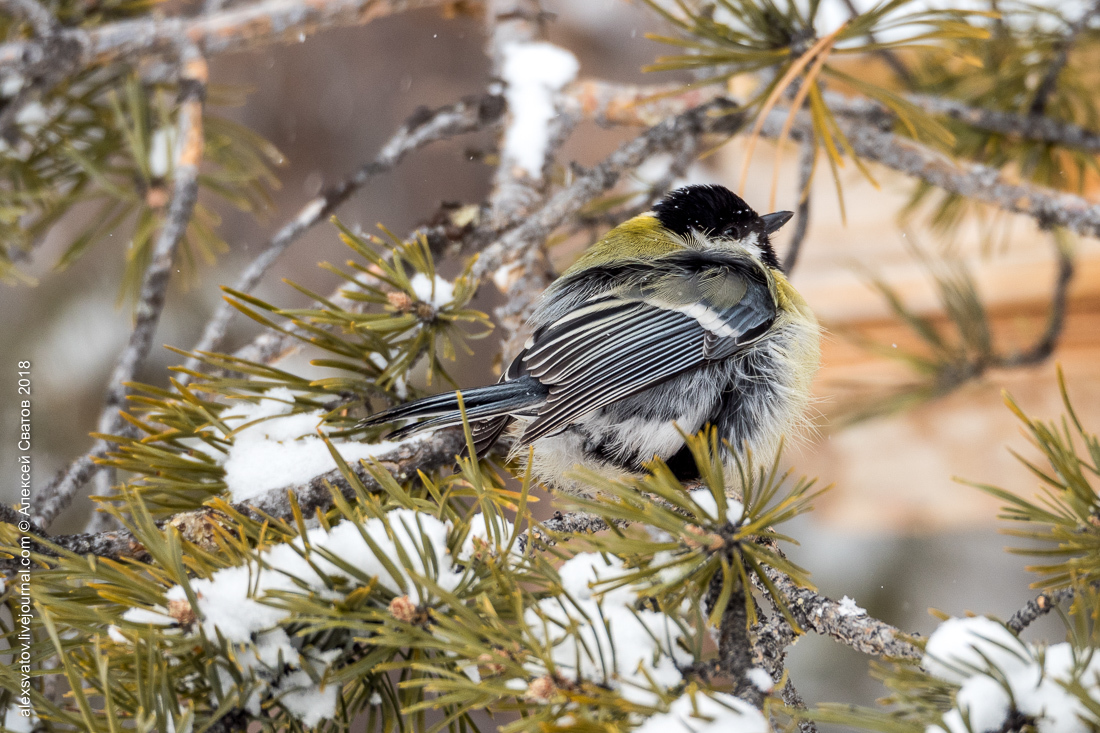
(400,386)
(704,499)
(308,701)
(848,607)
(506,275)
(11,84)
(721,713)
(760,679)
(162,152)
(1000,674)
(613,643)
(961,646)
(437,291)
(19,720)
(279,449)
(240,603)
(144,616)
(533,73)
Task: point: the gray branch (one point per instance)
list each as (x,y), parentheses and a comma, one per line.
(468,115)
(1036,128)
(1049,208)
(802,214)
(1043,604)
(424,453)
(55,497)
(226,31)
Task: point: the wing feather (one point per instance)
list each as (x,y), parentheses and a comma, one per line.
(651,326)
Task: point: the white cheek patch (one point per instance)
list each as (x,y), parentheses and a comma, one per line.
(751,243)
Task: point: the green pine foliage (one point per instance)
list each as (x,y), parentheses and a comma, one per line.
(413,604)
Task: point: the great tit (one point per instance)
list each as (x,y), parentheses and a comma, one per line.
(676,319)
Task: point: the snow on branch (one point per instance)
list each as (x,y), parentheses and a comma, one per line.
(403,461)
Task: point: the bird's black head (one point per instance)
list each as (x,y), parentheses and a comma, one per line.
(715,211)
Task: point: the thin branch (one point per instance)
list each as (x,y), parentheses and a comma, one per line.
(468,115)
(1050,208)
(1049,82)
(54,498)
(802,214)
(811,610)
(1043,604)
(610,103)
(1046,343)
(827,617)
(226,31)
(423,453)
(1036,128)
(718,116)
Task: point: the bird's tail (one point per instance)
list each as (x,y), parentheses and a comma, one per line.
(493,404)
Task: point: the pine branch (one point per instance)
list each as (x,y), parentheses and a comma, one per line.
(977,182)
(810,609)
(55,497)
(427,452)
(610,103)
(1049,82)
(802,214)
(1056,319)
(896,65)
(226,31)
(1035,128)
(824,616)
(423,127)
(735,651)
(1043,604)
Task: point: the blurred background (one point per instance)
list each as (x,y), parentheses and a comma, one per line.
(898,532)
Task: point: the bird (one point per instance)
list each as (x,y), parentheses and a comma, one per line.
(676,319)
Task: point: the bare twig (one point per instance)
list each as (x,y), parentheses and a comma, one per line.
(424,127)
(423,453)
(54,498)
(1043,604)
(611,103)
(1050,80)
(825,616)
(802,215)
(1044,346)
(236,29)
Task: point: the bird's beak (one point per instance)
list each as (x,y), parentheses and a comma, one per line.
(772,222)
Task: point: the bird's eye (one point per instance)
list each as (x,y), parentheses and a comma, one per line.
(733,231)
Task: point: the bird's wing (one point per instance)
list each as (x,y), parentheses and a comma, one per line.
(621,344)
